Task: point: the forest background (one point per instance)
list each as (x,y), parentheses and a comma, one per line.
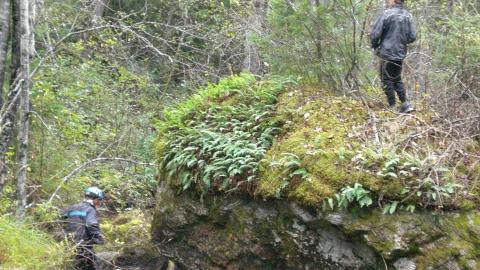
(84,83)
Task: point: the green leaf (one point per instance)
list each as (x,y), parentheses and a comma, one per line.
(300,171)
(331,203)
(365,201)
(391,174)
(393,207)
(187,185)
(191,163)
(386,208)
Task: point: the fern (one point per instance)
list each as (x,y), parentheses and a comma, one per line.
(348,196)
(210,145)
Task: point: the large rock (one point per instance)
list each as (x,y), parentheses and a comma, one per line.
(240,233)
(232,232)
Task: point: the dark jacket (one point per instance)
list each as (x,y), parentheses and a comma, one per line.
(392,32)
(83,223)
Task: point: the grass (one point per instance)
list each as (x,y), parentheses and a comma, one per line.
(23,247)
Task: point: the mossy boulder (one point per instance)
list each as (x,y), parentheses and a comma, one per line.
(301,142)
(329,142)
(244,181)
(426,240)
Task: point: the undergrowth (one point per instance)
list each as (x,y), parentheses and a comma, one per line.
(22,247)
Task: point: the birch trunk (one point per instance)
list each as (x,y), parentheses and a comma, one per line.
(98,9)
(26,41)
(36,6)
(7,123)
(252,61)
(4,33)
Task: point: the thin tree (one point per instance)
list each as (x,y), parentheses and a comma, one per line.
(255,25)
(4,34)
(8,115)
(98,9)
(26,46)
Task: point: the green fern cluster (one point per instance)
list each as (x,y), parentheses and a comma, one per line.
(423,181)
(348,196)
(290,166)
(220,144)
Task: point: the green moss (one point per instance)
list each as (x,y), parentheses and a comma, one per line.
(325,133)
(379,231)
(321,124)
(311,192)
(129,227)
(461,242)
(466,204)
(436,255)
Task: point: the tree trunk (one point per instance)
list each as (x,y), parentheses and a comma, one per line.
(26,42)
(36,6)
(98,9)
(252,61)
(7,123)
(4,33)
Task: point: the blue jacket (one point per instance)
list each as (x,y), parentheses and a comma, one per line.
(83,223)
(392,32)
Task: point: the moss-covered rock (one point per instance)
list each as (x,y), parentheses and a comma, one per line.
(239,233)
(327,145)
(306,144)
(337,141)
(321,127)
(431,241)
(459,249)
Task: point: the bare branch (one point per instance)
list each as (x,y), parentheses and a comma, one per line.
(91,162)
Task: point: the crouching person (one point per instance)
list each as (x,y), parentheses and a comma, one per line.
(84,228)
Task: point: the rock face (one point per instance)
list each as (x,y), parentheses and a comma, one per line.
(238,233)
(241,233)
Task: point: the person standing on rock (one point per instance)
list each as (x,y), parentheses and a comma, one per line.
(389,37)
(84,228)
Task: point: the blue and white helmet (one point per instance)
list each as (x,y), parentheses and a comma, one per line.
(95,193)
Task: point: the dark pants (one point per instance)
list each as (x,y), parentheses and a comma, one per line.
(85,258)
(391,75)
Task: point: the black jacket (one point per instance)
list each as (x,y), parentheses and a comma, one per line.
(83,223)
(392,32)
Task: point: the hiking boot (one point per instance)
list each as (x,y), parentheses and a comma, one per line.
(391,106)
(406,107)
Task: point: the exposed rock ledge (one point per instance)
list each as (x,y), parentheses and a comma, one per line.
(241,233)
